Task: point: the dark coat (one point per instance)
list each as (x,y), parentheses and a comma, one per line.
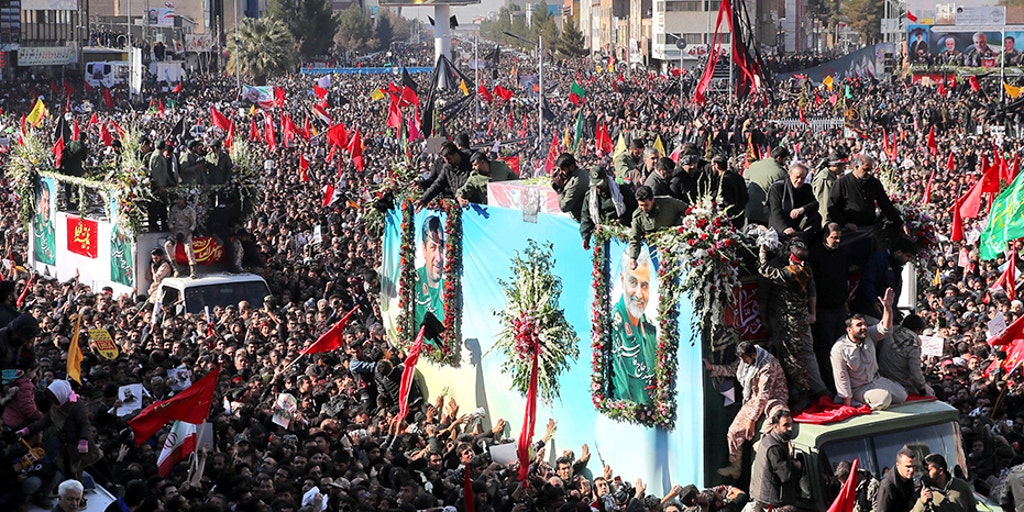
(775,474)
(896,494)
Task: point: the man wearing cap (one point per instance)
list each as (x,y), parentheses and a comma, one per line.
(824,178)
(605,202)
(8,311)
(760,176)
(652,214)
(160,179)
(693,180)
(484,172)
(628,165)
(181,224)
(192,166)
(218,169)
(159,268)
(570,182)
(899,356)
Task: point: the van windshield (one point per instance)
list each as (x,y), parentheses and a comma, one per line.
(198,297)
(877,453)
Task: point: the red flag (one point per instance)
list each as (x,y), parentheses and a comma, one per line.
(1013,332)
(958,223)
(970,203)
(106,136)
(336,136)
(160,107)
(502,92)
(833,99)
(93,120)
(307,130)
(408,372)
(394,115)
(485,94)
(604,140)
(912,19)
(88,88)
(1008,279)
(330,196)
(529,422)
(53,87)
(1015,168)
(117,128)
(330,155)
(177,88)
(287,129)
(409,97)
(303,168)
(191,406)
(975,84)
(950,162)
(549,162)
(68,90)
(58,151)
(254,132)
(330,340)
(108,99)
(278,96)
(229,139)
(467,491)
(942,89)
(928,189)
(24,292)
(268,127)
(886,148)
(847,497)
(75,130)
(217,119)
(933,148)
(512,162)
(802,118)
(355,150)
(319,91)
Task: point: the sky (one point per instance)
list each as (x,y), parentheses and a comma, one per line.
(466,13)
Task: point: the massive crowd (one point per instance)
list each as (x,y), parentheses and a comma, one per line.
(340,452)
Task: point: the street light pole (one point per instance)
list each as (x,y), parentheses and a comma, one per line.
(238,73)
(540,82)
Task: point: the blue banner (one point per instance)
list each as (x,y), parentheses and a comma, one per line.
(491,237)
(365,71)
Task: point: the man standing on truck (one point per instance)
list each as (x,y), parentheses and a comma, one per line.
(159,268)
(776,471)
(181,223)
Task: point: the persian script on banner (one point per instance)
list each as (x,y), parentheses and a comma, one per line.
(83,236)
(208,251)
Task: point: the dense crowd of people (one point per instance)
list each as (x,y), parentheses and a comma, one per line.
(341,450)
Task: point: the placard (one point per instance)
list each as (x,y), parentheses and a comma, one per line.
(932,346)
(103,343)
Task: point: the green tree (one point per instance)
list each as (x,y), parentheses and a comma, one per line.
(385,32)
(512,20)
(311,22)
(261,48)
(355,30)
(543,25)
(571,43)
(865,18)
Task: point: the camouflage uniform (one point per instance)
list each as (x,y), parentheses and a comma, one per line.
(181,221)
(793,287)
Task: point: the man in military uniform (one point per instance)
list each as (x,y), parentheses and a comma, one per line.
(628,165)
(484,172)
(1011,57)
(218,169)
(605,202)
(634,344)
(825,177)
(760,176)
(980,51)
(429,285)
(951,55)
(160,179)
(570,182)
(192,168)
(182,224)
(652,214)
(791,310)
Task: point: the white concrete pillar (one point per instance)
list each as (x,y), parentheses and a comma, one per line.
(442,40)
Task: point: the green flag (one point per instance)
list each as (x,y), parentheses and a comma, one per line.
(849,96)
(576,93)
(578,135)
(1005,220)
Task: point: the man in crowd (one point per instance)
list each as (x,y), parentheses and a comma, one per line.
(899,357)
(943,491)
(825,177)
(192,165)
(830,268)
(732,190)
(792,208)
(160,179)
(897,492)
(454,174)
(774,477)
(854,196)
(629,165)
(159,268)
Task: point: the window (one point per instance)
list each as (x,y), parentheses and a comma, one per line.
(197,297)
(684,6)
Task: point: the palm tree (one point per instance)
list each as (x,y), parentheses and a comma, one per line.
(261,48)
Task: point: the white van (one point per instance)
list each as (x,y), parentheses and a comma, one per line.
(193,295)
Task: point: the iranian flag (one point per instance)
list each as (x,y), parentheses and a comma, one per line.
(181,441)
(577,93)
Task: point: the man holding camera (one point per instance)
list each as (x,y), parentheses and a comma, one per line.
(181,222)
(943,491)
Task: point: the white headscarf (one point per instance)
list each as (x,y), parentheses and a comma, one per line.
(595,202)
(61,389)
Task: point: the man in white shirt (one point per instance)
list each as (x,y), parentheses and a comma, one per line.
(855,363)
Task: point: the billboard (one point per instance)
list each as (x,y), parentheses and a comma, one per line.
(940,45)
(47,55)
(49,5)
(414,3)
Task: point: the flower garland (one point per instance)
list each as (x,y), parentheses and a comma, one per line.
(25,159)
(449,352)
(132,185)
(921,230)
(662,412)
(533,323)
(708,246)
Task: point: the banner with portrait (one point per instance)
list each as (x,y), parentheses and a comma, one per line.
(122,268)
(44,245)
(959,46)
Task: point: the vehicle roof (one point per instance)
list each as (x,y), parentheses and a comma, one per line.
(910,414)
(210,279)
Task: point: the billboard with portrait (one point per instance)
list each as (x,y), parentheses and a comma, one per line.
(958,46)
(44,244)
(428,288)
(632,354)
